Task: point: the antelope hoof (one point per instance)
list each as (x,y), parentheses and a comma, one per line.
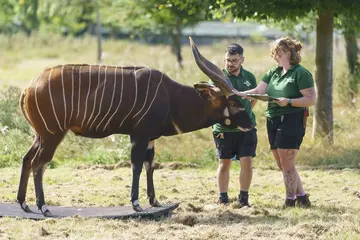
(45,211)
(137,208)
(25,207)
(155,203)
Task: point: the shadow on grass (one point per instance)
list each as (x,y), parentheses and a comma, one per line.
(270,215)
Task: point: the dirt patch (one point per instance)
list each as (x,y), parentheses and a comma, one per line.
(187,220)
(176,165)
(192,208)
(43,232)
(357,194)
(127,164)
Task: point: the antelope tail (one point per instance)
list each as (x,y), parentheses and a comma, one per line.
(22,106)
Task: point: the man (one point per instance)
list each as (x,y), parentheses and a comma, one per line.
(230,141)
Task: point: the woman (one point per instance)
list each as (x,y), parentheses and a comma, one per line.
(293,86)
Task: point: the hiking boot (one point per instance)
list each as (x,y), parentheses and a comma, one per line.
(223,200)
(243,200)
(289,203)
(303,201)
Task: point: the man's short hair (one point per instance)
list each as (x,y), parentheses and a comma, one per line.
(234,48)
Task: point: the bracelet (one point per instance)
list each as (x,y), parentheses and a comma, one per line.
(289,102)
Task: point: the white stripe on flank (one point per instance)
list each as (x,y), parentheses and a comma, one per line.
(33,80)
(102,97)
(136,91)
(52,102)
(78,110)
(87,97)
(94,105)
(177,128)
(72,94)
(157,89)
(37,105)
(122,88)
(63,90)
(146,97)
(112,100)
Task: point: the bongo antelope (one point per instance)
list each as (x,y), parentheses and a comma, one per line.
(97,101)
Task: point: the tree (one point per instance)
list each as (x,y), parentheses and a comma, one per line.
(18,15)
(161,17)
(73,17)
(350,26)
(326,11)
(347,24)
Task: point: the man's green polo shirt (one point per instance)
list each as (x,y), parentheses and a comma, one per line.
(288,86)
(244,81)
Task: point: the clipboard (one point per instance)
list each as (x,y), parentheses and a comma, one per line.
(262,97)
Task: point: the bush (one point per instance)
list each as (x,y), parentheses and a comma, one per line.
(10,114)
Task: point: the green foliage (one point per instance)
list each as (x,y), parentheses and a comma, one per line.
(13,145)
(278,10)
(161,16)
(10,115)
(19,16)
(196,147)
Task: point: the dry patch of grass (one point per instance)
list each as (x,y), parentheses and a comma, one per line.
(335,195)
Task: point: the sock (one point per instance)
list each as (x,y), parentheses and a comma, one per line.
(292,198)
(300,194)
(224,195)
(244,193)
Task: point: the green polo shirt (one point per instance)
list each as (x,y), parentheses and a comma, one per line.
(244,81)
(288,86)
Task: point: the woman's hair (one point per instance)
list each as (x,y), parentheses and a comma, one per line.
(287,44)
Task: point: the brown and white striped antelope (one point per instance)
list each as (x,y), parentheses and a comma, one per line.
(97,101)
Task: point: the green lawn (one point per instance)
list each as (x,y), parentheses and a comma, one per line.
(75,178)
(335,214)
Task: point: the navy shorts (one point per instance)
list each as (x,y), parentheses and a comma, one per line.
(286,131)
(236,144)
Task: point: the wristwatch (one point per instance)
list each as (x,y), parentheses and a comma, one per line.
(289,102)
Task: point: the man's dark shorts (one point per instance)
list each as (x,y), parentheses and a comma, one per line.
(236,144)
(286,131)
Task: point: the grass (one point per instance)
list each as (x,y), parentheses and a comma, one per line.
(334,194)
(87,172)
(23,58)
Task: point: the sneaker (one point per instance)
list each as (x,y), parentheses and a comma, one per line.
(289,203)
(243,200)
(223,200)
(303,201)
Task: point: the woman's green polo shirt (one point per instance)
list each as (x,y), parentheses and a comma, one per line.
(288,86)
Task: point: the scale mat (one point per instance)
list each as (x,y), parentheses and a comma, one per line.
(123,212)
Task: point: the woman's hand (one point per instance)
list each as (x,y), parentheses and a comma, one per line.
(240,94)
(282,102)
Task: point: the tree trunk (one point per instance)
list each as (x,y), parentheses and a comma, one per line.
(323,119)
(352,59)
(99,32)
(176,44)
(351,51)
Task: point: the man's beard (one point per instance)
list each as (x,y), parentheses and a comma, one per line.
(232,70)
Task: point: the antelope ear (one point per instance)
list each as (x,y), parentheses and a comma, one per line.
(208,91)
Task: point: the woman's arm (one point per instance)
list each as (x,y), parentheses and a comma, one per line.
(308,99)
(260,89)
